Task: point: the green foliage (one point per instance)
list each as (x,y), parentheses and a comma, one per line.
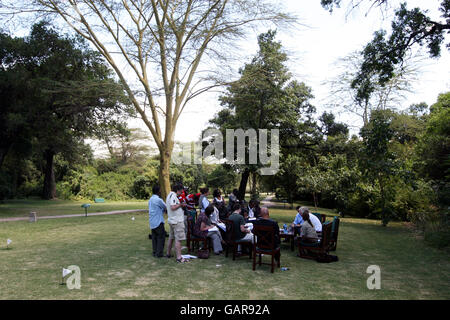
(383,54)
(142,187)
(437,233)
(113,180)
(265,97)
(222,178)
(378,163)
(432,151)
(54,90)
(413,200)
(433,148)
(110,185)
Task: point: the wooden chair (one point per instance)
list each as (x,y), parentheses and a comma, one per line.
(322,217)
(264,243)
(310,250)
(193,214)
(231,243)
(334,233)
(193,241)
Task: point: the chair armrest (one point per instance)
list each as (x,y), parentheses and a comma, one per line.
(306,238)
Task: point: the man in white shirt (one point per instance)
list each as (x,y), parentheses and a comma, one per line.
(315,221)
(175,219)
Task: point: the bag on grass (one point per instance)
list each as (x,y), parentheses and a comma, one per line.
(203,254)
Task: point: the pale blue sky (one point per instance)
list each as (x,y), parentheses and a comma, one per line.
(314,47)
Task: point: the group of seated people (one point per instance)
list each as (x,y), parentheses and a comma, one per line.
(306,225)
(239,215)
(205,227)
(209,222)
(244,217)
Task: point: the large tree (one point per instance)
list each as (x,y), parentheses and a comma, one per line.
(265,97)
(344,96)
(63,91)
(386,53)
(156,48)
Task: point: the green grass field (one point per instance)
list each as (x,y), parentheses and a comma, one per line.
(114,255)
(23,207)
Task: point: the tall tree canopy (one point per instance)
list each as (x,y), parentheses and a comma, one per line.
(54,91)
(385,52)
(156,48)
(265,97)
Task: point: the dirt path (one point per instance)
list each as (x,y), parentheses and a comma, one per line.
(73,215)
(267,202)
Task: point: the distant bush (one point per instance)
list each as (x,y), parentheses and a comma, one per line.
(142,187)
(437,233)
(64,190)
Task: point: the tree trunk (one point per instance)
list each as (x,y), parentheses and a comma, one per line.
(3,151)
(315,200)
(243,184)
(384,218)
(49,191)
(164,174)
(254,180)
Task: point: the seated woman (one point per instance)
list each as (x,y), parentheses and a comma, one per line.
(307,232)
(202,226)
(219,203)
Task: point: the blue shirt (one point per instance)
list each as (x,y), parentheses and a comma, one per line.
(156,207)
(298,219)
(205,204)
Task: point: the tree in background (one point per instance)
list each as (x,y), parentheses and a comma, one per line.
(265,97)
(163,45)
(378,162)
(433,148)
(384,54)
(223,179)
(63,92)
(126,145)
(390,95)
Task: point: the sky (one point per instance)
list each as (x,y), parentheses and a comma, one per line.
(313,49)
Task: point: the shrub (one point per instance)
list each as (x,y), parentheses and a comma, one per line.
(142,187)
(64,190)
(437,233)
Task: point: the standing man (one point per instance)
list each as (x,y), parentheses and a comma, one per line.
(156,208)
(175,214)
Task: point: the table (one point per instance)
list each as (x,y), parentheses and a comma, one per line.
(289,236)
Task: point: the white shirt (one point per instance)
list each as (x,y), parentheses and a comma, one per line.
(174,216)
(215,216)
(251,214)
(316,222)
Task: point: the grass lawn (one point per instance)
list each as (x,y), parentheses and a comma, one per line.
(114,255)
(23,207)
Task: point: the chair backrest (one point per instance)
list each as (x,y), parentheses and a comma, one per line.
(265,237)
(229,234)
(318,215)
(326,234)
(190,226)
(192,214)
(335,228)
